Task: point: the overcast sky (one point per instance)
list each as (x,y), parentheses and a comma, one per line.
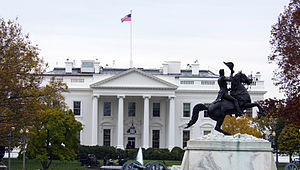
(210,31)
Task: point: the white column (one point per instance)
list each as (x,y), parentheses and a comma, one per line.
(120,143)
(95,120)
(171,122)
(146,122)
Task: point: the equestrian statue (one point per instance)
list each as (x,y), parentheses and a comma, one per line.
(228,104)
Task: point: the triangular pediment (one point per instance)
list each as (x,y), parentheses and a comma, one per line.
(134,78)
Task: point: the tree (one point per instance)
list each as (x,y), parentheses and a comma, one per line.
(54,136)
(20,68)
(289,140)
(242,125)
(53,132)
(272,121)
(285,42)
(25,104)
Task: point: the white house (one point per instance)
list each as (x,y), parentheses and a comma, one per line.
(139,107)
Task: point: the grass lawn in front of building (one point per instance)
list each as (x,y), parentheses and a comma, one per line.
(17,164)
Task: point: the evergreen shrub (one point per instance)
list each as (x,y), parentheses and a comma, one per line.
(109,152)
(177,153)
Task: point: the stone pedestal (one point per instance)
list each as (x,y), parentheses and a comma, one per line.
(2,167)
(219,152)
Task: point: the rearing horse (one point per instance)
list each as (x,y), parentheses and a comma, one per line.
(219,109)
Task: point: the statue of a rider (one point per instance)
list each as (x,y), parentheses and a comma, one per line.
(223,93)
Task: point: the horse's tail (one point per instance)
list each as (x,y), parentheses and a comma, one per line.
(196,110)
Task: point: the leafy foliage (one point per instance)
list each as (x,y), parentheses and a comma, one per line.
(158,154)
(109,152)
(285,42)
(241,125)
(54,136)
(177,153)
(100,152)
(289,140)
(274,120)
(25,104)
(20,72)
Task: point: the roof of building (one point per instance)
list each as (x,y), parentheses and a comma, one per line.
(183,73)
(150,76)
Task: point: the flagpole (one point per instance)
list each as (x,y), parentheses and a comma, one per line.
(131,40)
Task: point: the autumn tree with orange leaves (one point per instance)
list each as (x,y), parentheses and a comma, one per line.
(243,125)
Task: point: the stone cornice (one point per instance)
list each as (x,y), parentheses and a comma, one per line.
(214,91)
(140,88)
(170,85)
(196,91)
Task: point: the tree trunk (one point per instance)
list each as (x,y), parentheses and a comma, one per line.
(45,165)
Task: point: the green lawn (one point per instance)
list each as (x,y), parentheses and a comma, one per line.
(57,165)
(73,165)
(34,165)
(280,166)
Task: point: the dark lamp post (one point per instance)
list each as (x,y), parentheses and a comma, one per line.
(273,142)
(25,132)
(10,136)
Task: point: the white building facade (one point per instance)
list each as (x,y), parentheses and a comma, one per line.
(131,108)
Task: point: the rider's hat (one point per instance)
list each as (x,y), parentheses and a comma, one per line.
(229,65)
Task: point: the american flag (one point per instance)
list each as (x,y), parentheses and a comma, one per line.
(126,18)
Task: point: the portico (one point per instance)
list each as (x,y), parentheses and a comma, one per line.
(146,103)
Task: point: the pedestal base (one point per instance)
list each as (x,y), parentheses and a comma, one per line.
(219,152)
(3,167)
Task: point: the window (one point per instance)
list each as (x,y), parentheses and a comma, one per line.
(156,109)
(106,137)
(131,143)
(131,109)
(186,109)
(186,82)
(205,111)
(206,132)
(77,107)
(208,82)
(155,138)
(88,64)
(185,137)
(107,108)
(249,112)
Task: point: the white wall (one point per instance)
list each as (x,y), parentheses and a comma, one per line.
(85,96)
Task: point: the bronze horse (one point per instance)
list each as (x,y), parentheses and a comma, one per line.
(219,109)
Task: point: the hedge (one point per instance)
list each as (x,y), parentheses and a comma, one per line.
(109,152)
